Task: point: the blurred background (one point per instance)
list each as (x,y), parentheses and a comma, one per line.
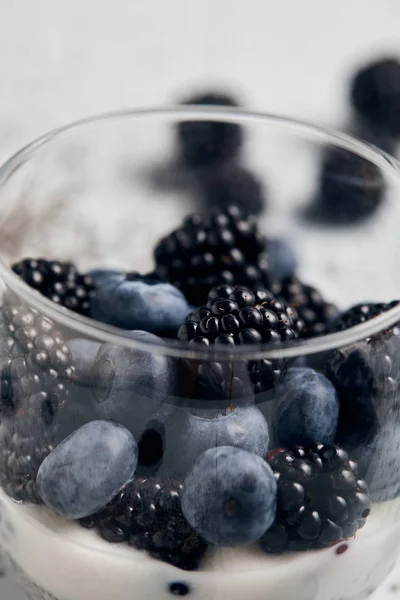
(62,60)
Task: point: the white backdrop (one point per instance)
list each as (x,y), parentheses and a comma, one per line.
(64,59)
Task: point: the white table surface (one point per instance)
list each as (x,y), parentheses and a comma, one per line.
(61,60)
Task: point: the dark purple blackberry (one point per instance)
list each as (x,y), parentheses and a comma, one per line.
(351,189)
(359,314)
(375,94)
(236,316)
(206,143)
(321,500)
(58,281)
(147,515)
(234,185)
(311,307)
(366,377)
(223,248)
(36,373)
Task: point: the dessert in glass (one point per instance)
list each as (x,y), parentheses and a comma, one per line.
(199,359)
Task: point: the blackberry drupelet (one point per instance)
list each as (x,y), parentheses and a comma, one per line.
(206,143)
(223,248)
(58,281)
(311,307)
(375,94)
(360,313)
(147,515)
(321,499)
(235,315)
(36,373)
(234,185)
(351,189)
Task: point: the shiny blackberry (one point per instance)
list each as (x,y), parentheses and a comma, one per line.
(359,314)
(58,281)
(147,515)
(321,499)
(206,143)
(225,247)
(236,315)
(311,307)
(375,94)
(37,371)
(351,189)
(234,185)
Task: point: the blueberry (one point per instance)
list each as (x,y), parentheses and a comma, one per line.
(133,303)
(132,386)
(379,464)
(84,353)
(307,409)
(229,497)
(86,471)
(282,258)
(101,276)
(243,427)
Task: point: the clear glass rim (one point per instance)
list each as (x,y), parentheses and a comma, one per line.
(109,334)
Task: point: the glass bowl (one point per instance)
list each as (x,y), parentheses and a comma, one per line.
(141,466)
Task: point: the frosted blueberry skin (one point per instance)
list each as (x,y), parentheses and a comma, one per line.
(83,473)
(135,302)
(282,258)
(379,463)
(101,276)
(134,387)
(307,409)
(243,427)
(229,497)
(83,352)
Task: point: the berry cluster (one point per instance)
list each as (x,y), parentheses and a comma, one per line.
(290,473)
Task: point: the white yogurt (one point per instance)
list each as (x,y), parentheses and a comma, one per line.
(68,562)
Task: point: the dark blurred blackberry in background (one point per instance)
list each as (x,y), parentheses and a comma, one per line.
(206,143)
(374,135)
(375,94)
(234,185)
(351,188)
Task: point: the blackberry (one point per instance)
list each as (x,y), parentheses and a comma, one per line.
(321,499)
(225,247)
(58,281)
(311,307)
(359,314)
(235,316)
(365,375)
(36,373)
(237,186)
(206,143)
(375,94)
(351,189)
(147,514)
